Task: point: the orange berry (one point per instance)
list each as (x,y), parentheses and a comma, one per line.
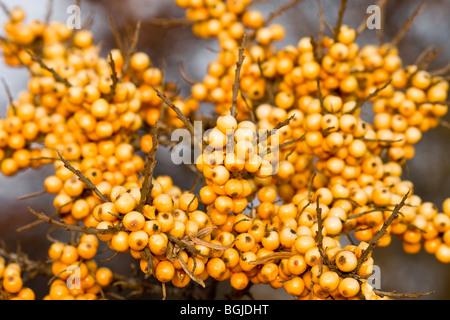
(104,276)
(164,271)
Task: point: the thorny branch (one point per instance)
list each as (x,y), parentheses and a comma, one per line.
(83,179)
(237,79)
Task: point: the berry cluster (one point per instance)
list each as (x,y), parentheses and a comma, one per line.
(76,100)
(76,275)
(291,166)
(12,284)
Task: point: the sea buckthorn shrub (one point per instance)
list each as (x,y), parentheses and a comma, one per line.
(289,168)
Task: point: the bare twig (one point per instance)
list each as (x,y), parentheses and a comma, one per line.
(444,123)
(4,8)
(319,236)
(41,63)
(180,114)
(131,50)
(280,11)
(271,132)
(48,15)
(285,144)
(32,195)
(361,102)
(114,77)
(444,70)
(272,256)
(83,179)
(237,79)
(381,232)
(8,93)
(89,230)
(320,95)
(147,184)
(116,34)
(250,109)
(395,294)
(184,74)
(171,22)
(337,28)
(382,140)
(401,33)
(322,22)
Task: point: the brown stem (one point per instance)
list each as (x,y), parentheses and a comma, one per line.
(147,184)
(171,22)
(237,79)
(395,294)
(130,51)
(183,73)
(280,11)
(83,179)
(76,228)
(116,34)
(401,33)
(49,12)
(180,114)
(361,102)
(41,63)
(272,256)
(337,28)
(381,232)
(8,93)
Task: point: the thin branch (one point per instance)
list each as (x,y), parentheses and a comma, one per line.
(49,12)
(361,102)
(41,63)
(83,179)
(322,21)
(317,49)
(401,33)
(32,195)
(395,294)
(237,79)
(5,8)
(116,34)
(70,227)
(147,184)
(428,58)
(337,28)
(280,11)
(250,109)
(180,114)
(184,75)
(8,93)
(380,233)
(114,77)
(269,133)
(320,95)
(285,144)
(382,140)
(441,72)
(171,22)
(131,50)
(319,235)
(29,225)
(272,256)
(444,123)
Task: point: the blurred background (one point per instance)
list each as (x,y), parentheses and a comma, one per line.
(168,46)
